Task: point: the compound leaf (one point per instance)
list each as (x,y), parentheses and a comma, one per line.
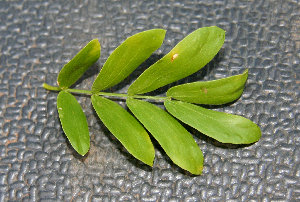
(215,92)
(173,137)
(127,57)
(225,128)
(187,57)
(74,69)
(125,128)
(73,122)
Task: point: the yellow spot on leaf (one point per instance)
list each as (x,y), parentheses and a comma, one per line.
(174,56)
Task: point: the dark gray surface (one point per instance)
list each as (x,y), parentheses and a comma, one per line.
(36,161)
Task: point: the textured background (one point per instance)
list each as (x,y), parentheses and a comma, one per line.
(38,164)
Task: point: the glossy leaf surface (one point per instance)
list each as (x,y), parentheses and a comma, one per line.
(73,122)
(125,128)
(187,57)
(215,92)
(225,128)
(173,137)
(74,69)
(127,57)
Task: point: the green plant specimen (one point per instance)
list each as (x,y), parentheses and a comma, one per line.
(187,57)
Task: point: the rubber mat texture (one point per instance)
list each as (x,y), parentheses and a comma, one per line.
(37,162)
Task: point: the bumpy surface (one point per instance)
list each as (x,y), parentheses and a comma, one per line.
(38,164)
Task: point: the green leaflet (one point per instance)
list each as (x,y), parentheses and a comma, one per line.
(187,57)
(74,69)
(215,92)
(226,128)
(125,128)
(73,122)
(127,57)
(173,137)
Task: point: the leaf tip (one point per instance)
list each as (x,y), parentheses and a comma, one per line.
(199,171)
(83,153)
(162,32)
(150,163)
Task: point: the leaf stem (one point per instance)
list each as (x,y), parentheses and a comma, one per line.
(48,87)
(87,92)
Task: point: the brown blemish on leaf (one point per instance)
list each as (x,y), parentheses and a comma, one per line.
(204,90)
(174,56)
